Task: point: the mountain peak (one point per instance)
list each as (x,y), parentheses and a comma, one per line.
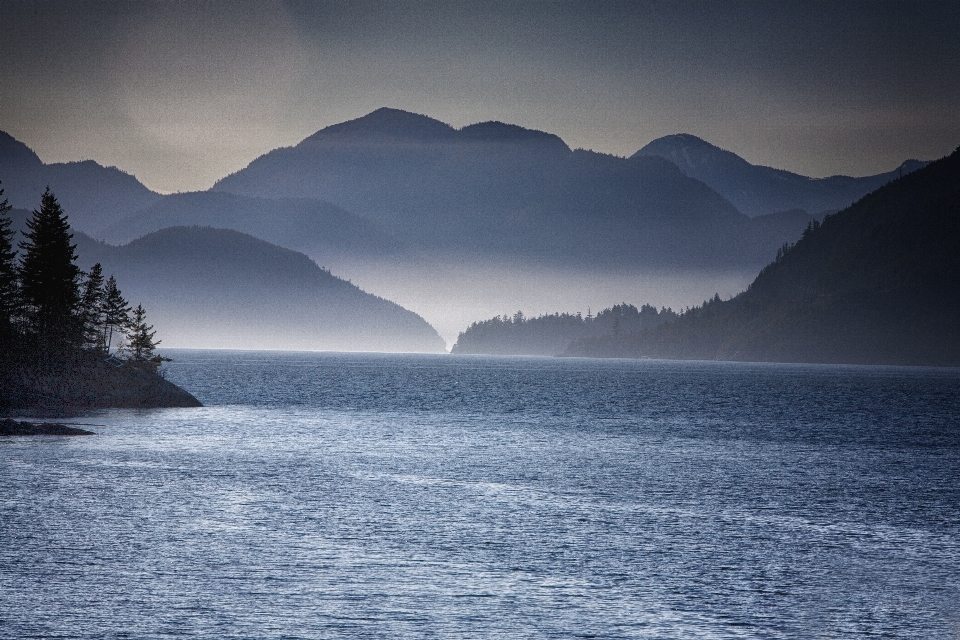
(688,151)
(14,152)
(388,123)
(684,140)
(757,190)
(496,131)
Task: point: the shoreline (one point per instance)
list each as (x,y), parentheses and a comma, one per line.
(11,427)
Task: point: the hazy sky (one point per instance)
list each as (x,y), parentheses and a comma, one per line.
(183,93)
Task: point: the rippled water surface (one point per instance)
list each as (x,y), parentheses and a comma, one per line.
(386,496)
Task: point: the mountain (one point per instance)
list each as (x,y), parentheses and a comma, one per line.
(301,224)
(94,195)
(877,283)
(394,182)
(502,191)
(757,190)
(219,288)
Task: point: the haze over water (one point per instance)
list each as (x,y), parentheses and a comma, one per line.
(385,496)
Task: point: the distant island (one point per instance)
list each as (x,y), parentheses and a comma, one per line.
(69,340)
(550,335)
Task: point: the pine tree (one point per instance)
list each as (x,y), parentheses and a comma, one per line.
(49,277)
(91,309)
(9,289)
(116,311)
(140,343)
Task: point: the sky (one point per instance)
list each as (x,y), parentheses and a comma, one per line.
(181,94)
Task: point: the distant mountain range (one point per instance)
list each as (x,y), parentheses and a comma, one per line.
(407,193)
(393,179)
(877,283)
(394,183)
(756,190)
(498,190)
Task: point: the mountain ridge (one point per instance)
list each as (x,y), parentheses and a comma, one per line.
(757,189)
(310,226)
(521,194)
(396,181)
(93,194)
(384,122)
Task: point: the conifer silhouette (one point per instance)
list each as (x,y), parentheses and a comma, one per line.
(116,311)
(49,277)
(140,342)
(9,289)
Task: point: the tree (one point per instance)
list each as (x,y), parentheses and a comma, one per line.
(9,289)
(116,311)
(49,277)
(140,343)
(91,309)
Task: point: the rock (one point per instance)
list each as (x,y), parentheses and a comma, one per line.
(10,427)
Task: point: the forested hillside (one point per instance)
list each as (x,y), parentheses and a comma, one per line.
(877,283)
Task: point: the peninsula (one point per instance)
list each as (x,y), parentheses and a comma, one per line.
(69,340)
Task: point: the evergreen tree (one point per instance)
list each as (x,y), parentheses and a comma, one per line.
(140,343)
(9,289)
(49,277)
(91,309)
(116,311)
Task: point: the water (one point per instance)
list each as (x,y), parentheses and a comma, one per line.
(385,496)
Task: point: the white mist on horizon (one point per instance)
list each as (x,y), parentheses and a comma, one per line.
(451,295)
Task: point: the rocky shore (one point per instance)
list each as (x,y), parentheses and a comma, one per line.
(10,427)
(89,385)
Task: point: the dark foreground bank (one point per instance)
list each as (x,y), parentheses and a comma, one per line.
(88,383)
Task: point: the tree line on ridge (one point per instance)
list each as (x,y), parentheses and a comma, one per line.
(550,335)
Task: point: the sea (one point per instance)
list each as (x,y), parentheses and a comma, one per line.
(344,495)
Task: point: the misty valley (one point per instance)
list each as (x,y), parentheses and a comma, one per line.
(396,232)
